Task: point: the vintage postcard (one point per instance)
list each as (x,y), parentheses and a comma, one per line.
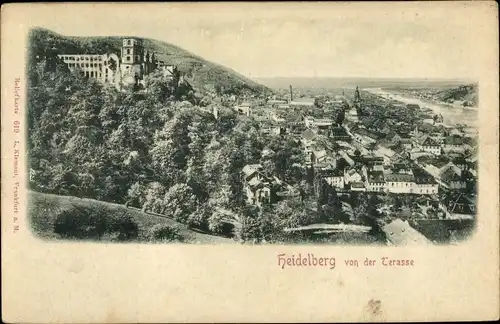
(250,162)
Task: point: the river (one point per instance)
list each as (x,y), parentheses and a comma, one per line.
(452,115)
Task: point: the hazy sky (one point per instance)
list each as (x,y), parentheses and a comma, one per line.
(292,40)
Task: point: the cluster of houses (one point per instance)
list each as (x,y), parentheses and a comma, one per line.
(350,157)
(369,172)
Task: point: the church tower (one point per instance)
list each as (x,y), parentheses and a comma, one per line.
(353,112)
(357,98)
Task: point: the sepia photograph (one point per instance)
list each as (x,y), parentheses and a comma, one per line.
(137,139)
(250,162)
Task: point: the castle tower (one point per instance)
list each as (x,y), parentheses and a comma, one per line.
(132,54)
(153,61)
(132,51)
(145,63)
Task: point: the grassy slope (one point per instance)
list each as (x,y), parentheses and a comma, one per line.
(43,210)
(201,73)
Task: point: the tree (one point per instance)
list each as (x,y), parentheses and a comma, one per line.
(136,194)
(248,230)
(217,222)
(154,197)
(360,212)
(292,214)
(179,202)
(200,217)
(159,86)
(340,117)
(271,226)
(170,149)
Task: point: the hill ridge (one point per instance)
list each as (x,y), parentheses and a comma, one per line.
(204,74)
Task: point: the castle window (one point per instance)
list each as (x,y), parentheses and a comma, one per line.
(128,50)
(128,42)
(128,58)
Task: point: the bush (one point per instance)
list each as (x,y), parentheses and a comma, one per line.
(82,223)
(165,233)
(122,227)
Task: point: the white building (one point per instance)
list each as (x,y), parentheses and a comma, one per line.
(399,183)
(352,176)
(374,180)
(424,183)
(243,108)
(335,178)
(427,144)
(257,187)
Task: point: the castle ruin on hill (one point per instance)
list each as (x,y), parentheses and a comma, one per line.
(130,68)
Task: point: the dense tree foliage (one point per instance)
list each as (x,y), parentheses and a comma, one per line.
(157,150)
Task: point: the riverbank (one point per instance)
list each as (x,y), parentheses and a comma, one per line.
(452,115)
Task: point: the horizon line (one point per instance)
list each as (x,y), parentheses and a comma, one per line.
(364,77)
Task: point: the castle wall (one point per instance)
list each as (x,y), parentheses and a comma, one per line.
(130,68)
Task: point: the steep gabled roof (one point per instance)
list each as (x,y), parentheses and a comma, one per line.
(357,185)
(422,176)
(450,174)
(462,205)
(319,154)
(250,169)
(453,140)
(375,177)
(425,140)
(308,135)
(332,173)
(352,172)
(398,177)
